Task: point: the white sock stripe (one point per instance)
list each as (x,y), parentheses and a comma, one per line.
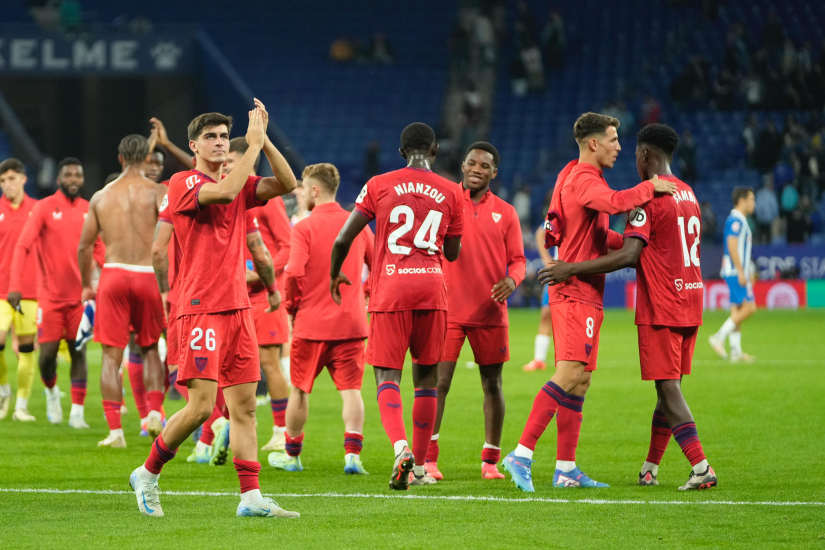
(425,497)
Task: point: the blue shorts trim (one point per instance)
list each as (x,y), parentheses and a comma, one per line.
(739,293)
(545,297)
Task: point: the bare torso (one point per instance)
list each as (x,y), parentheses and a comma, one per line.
(127,211)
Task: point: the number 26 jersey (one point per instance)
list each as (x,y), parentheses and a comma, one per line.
(414,211)
(669,289)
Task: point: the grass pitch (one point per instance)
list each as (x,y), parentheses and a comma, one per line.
(760,425)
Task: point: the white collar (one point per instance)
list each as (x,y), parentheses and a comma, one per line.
(737,214)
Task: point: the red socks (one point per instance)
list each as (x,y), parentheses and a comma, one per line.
(160,455)
(112,411)
(425,406)
(207,435)
(659,437)
(490,456)
(248,471)
(545,406)
(155,400)
(78,392)
(135,367)
(353,443)
(279,411)
(50,382)
(688,440)
(392,411)
(569,425)
(432,452)
(294,445)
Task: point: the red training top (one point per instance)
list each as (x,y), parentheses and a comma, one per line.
(586,201)
(668,278)
(273,223)
(317,317)
(414,211)
(212,238)
(491,248)
(12,220)
(55,225)
(173,250)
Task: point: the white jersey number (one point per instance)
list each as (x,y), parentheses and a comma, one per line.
(197,335)
(693,228)
(424,238)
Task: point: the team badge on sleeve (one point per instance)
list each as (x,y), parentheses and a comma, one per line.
(638,217)
(736,226)
(164,204)
(361,195)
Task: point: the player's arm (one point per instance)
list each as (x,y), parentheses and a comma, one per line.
(283,180)
(544,254)
(160,256)
(28,236)
(85,250)
(340,248)
(225,191)
(593,193)
(627,256)
(452,248)
(615,240)
(158,135)
(264,269)
(733,252)
(251,276)
(296,269)
(516,262)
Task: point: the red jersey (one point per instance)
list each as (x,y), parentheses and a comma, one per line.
(491,248)
(307,278)
(414,211)
(669,281)
(55,225)
(587,201)
(212,239)
(273,223)
(12,220)
(173,250)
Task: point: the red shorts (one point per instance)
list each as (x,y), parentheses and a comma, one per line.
(344,359)
(665,353)
(172,344)
(490,344)
(218,346)
(128,294)
(392,333)
(576,327)
(59,320)
(272,329)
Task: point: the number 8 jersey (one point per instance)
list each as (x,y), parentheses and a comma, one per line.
(669,289)
(414,211)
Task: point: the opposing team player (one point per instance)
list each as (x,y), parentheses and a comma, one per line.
(217,334)
(272,329)
(488,271)
(54,226)
(325,335)
(737,272)
(416,212)
(544,335)
(578,218)
(15,209)
(125,213)
(662,241)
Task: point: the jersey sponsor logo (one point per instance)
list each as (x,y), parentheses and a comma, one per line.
(57,215)
(638,217)
(496,217)
(164,204)
(418,270)
(680,284)
(419,189)
(684,195)
(390,269)
(361,195)
(200,363)
(192,181)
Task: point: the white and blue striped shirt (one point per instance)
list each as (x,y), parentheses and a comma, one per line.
(737,226)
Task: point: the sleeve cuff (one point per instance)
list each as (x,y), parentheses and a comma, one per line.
(636,235)
(256,200)
(368,216)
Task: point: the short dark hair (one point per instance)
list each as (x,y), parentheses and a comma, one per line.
(593,123)
(207,120)
(111,177)
(134,148)
(68,161)
(12,164)
(484,146)
(660,136)
(417,137)
(240,146)
(740,193)
(325,173)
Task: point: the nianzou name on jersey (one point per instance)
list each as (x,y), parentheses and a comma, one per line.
(421,189)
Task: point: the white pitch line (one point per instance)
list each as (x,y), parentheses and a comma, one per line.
(426,497)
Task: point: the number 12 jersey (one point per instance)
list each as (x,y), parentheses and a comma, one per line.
(414,211)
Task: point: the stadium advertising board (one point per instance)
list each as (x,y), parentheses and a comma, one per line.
(789,294)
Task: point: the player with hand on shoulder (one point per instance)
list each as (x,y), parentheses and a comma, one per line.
(487,272)
(419,222)
(661,241)
(217,333)
(124,213)
(738,272)
(15,209)
(325,335)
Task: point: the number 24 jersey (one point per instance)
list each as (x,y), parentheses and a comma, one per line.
(669,289)
(414,211)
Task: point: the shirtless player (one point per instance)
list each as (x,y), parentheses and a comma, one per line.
(125,213)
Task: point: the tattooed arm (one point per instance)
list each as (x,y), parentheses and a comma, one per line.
(264,269)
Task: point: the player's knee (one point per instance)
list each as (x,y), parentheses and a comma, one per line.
(443,385)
